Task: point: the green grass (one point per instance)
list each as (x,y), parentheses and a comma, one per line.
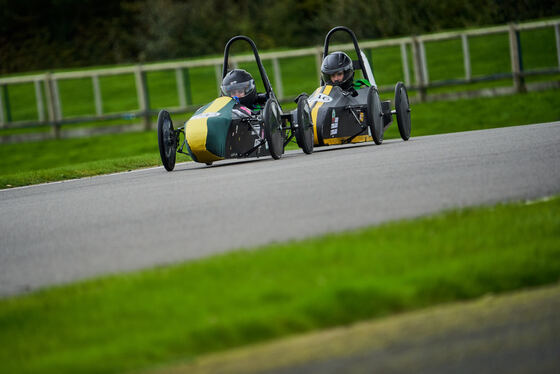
(138,320)
(483,113)
(80,170)
(37,162)
(35,156)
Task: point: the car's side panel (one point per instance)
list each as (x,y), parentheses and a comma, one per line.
(242,139)
(344,125)
(207,130)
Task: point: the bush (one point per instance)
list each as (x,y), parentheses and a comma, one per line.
(49,34)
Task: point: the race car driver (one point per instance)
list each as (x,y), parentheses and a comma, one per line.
(337,69)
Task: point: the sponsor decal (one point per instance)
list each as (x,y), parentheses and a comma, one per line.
(334,123)
(206,115)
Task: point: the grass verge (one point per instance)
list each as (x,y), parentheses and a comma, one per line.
(138,320)
(53,160)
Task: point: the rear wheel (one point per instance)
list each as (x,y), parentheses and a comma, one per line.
(402,107)
(273,128)
(304,131)
(167,140)
(375,115)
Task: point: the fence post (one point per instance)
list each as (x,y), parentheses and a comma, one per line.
(516,59)
(466,56)
(180,87)
(218,73)
(370,60)
(418,68)
(2,120)
(39,100)
(425,72)
(557,34)
(6,102)
(278,79)
(406,69)
(319,62)
(57,103)
(49,96)
(188,93)
(52,106)
(143,97)
(97,95)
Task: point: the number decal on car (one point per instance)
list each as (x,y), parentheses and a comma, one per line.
(205,115)
(320,98)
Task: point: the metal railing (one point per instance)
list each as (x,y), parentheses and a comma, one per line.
(46,86)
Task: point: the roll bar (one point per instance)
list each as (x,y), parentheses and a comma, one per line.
(264,77)
(356,47)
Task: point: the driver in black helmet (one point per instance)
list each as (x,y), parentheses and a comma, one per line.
(337,70)
(240,85)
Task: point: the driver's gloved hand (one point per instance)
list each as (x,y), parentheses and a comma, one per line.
(261,98)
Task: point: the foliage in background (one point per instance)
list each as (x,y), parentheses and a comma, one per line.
(48,34)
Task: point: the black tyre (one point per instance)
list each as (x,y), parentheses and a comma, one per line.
(375,115)
(273,133)
(304,131)
(167,140)
(402,107)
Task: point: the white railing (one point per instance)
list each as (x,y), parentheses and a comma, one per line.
(48,84)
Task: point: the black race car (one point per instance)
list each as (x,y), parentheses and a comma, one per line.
(227,128)
(350,110)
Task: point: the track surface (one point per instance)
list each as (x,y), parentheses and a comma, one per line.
(60,232)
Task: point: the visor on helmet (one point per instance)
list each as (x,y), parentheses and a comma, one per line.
(238,89)
(347,75)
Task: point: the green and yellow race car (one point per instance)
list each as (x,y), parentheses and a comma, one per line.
(241,123)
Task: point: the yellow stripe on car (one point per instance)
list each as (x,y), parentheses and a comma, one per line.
(357,139)
(196,131)
(218,104)
(315,110)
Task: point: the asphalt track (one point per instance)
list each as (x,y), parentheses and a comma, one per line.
(61,232)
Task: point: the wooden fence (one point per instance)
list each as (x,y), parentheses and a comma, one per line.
(47,85)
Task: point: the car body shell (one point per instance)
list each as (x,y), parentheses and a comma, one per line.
(333,120)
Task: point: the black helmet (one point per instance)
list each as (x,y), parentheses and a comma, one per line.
(338,62)
(237,82)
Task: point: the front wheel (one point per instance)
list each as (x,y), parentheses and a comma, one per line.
(273,133)
(375,115)
(167,140)
(304,131)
